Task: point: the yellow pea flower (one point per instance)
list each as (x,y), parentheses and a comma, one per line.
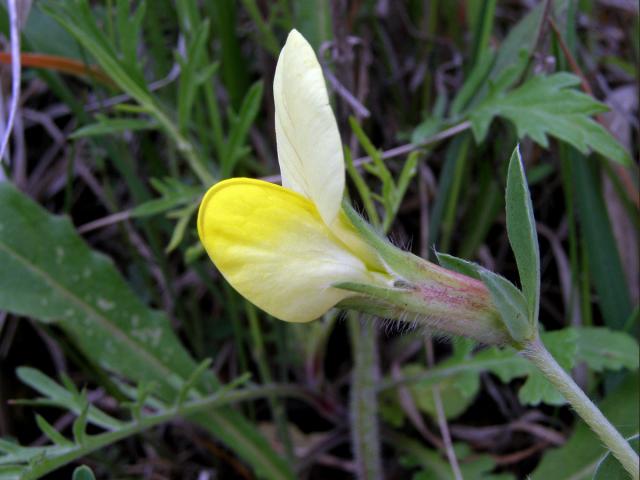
(296,252)
(284,248)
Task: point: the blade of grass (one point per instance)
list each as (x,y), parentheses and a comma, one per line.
(604,259)
(452,182)
(232,63)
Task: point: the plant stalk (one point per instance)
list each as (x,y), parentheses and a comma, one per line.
(536,352)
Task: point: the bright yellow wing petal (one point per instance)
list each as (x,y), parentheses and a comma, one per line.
(309,146)
(272,246)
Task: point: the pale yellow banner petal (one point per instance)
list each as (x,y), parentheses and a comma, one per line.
(309,145)
(272,246)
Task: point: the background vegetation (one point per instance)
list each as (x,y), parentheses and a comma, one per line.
(111,313)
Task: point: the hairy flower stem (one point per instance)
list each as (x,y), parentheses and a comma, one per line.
(536,352)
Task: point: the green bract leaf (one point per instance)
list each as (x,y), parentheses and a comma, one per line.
(521,229)
(459,265)
(507,298)
(49,273)
(510,303)
(548,106)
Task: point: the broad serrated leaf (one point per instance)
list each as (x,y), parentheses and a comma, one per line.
(507,365)
(521,229)
(50,274)
(562,344)
(457,391)
(547,105)
(412,453)
(601,348)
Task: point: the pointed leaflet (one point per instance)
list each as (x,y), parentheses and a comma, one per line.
(521,229)
(309,146)
(48,273)
(547,105)
(272,246)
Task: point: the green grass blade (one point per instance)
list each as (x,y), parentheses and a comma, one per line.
(604,259)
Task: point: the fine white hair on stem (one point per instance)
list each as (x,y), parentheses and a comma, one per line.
(15,74)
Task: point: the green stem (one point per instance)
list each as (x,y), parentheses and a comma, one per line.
(536,352)
(364,408)
(277,409)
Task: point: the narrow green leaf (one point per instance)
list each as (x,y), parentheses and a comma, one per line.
(63,397)
(266,37)
(475,80)
(193,380)
(114,126)
(187,85)
(482,29)
(521,229)
(313,19)
(173,193)
(459,265)
(362,187)
(234,66)
(79,427)
(601,248)
(52,434)
(240,128)
(184,216)
(8,447)
(377,166)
